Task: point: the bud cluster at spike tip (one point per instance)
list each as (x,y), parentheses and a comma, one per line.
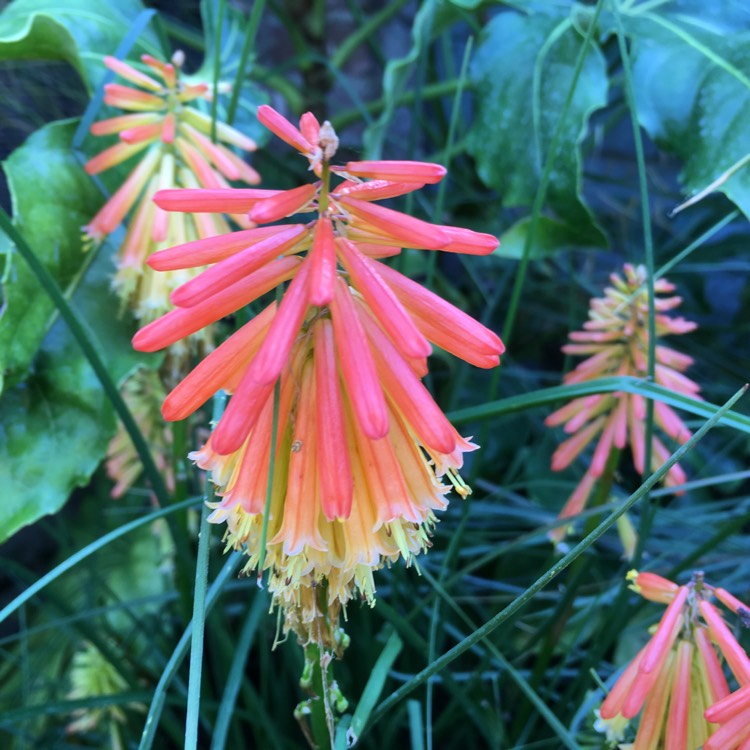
(616,338)
(362,449)
(171,139)
(676,679)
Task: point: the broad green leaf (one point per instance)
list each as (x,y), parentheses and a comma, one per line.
(52,199)
(550,237)
(692,93)
(56,424)
(522,73)
(76,31)
(431,18)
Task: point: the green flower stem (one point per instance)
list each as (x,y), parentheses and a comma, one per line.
(321,732)
(364,32)
(198,630)
(647,517)
(247,45)
(217,67)
(430,91)
(517,604)
(170,670)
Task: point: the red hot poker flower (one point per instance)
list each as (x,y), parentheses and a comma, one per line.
(172,140)
(677,676)
(616,339)
(361,442)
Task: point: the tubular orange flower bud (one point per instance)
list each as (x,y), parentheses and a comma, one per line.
(397,171)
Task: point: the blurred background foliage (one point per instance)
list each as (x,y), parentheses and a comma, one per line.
(531,105)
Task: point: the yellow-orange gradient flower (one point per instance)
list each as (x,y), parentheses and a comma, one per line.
(363,451)
(172,141)
(677,675)
(616,339)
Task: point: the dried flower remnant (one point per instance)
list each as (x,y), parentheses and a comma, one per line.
(677,675)
(93,676)
(143,392)
(616,339)
(363,453)
(171,139)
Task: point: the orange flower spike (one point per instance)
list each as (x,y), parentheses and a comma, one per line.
(129,73)
(729,706)
(652,586)
(679,702)
(440,322)
(117,95)
(216,153)
(409,230)
(397,171)
(714,673)
(241,415)
(191,93)
(309,127)
(123,122)
(376,190)
(652,721)
(645,681)
(299,527)
(114,210)
(469,242)
(275,351)
(731,602)
(385,481)
(223,200)
(665,632)
(412,398)
(323,264)
(732,651)
(383,302)
(284,129)
(178,324)
(357,365)
(149,132)
(217,278)
(286,203)
(334,467)
(218,367)
(212,249)
(733,734)
(615,699)
(113,156)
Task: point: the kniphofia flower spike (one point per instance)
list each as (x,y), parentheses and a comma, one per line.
(616,339)
(362,448)
(171,139)
(677,675)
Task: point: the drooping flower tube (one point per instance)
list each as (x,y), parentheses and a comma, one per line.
(362,450)
(616,338)
(677,675)
(172,140)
